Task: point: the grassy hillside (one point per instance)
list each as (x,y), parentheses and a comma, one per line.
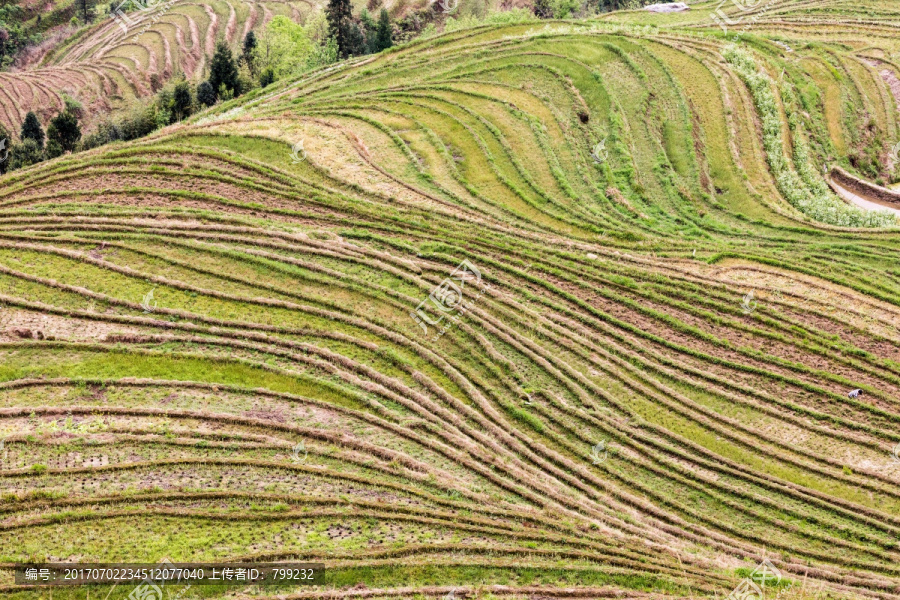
(242,337)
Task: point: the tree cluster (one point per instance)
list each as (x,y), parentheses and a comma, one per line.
(62,135)
(355,37)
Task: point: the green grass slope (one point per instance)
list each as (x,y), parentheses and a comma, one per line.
(242,337)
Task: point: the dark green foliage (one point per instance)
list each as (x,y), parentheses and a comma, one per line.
(206,94)
(384,37)
(223,71)
(250,44)
(25,154)
(32,130)
(64,132)
(142,122)
(53,149)
(356,41)
(106,132)
(182,103)
(370,30)
(340,18)
(544,8)
(267,77)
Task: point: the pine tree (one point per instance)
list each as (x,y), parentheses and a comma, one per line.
(223,71)
(64,130)
(206,95)
(250,44)
(384,39)
(339,13)
(181,100)
(31,130)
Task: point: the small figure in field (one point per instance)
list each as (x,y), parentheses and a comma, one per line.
(855,394)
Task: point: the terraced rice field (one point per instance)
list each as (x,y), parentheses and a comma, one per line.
(110,64)
(525,315)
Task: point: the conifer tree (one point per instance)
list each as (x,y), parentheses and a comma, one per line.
(223,71)
(340,17)
(384,39)
(32,130)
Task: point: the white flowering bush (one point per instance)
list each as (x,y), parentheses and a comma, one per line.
(806,191)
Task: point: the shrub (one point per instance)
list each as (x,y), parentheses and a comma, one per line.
(141,122)
(106,132)
(246,81)
(63,132)
(25,154)
(53,149)
(225,94)
(182,102)
(31,130)
(206,95)
(267,77)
